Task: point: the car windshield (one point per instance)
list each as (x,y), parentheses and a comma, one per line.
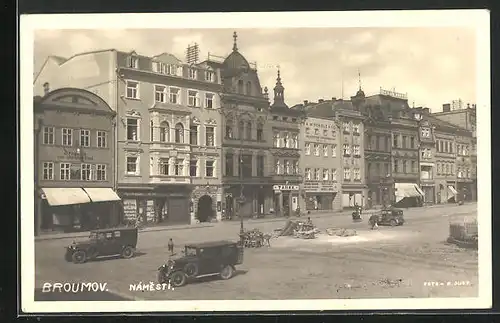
(190,251)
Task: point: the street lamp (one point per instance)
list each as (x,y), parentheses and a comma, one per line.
(241,200)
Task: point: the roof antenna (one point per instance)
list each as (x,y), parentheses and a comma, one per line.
(359,79)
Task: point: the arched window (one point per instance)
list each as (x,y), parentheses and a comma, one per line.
(164,132)
(179,133)
(229,129)
(241,127)
(249,130)
(260,132)
(249,88)
(240,87)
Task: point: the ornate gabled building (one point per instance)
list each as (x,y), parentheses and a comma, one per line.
(388,116)
(286,175)
(246,138)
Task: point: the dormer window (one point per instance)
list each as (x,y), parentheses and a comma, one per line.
(209,76)
(159,67)
(417,116)
(170,69)
(133,62)
(192,74)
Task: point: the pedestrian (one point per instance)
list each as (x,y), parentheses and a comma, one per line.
(171,246)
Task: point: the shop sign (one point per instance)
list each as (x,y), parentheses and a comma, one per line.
(150,211)
(285,187)
(74,155)
(321,187)
(130,209)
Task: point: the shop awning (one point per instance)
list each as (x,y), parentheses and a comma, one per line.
(101,194)
(452,190)
(65,196)
(407,190)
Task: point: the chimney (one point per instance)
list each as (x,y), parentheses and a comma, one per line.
(334,99)
(321,100)
(306,102)
(446,107)
(468,105)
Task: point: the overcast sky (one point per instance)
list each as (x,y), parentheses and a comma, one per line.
(433,65)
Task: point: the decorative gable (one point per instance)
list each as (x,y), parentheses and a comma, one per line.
(211,122)
(195,120)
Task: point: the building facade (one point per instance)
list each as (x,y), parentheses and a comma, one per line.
(74,161)
(168,150)
(464,117)
(320,164)
(287,175)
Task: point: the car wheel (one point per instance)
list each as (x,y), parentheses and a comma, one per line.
(393,223)
(191,270)
(177,279)
(79,257)
(162,278)
(128,252)
(226,272)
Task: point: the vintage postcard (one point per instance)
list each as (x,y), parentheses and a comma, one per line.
(255,161)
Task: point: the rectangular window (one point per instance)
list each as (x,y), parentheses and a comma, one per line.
(133,62)
(193,99)
(193,74)
(65,174)
(396,166)
(316,150)
(347,150)
(132,165)
(346,127)
(414,167)
(295,139)
(347,174)
(160,93)
(209,100)
(209,168)
(193,135)
(356,128)
(132,90)
(395,141)
(357,174)
(158,67)
(86,172)
(48,135)
(67,137)
(48,171)
(412,142)
(102,141)
(425,132)
(326,175)
(308,149)
(288,167)
(404,166)
(277,167)
(325,132)
(260,133)
(174,96)
(209,136)
(260,166)
(209,76)
(296,169)
(179,167)
(132,129)
(333,175)
(334,150)
(229,165)
(193,168)
(84,138)
(404,139)
(317,174)
(325,150)
(164,166)
(276,139)
(246,165)
(308,174)
(101,172)
(357,150)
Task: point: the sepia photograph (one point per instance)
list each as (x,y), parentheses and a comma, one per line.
(255,161)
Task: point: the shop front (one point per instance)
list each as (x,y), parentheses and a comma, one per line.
(206,203)
(321,196)
(408,195)
(286,198)
(72,209)
(428,190)
(165,204)
(257,200)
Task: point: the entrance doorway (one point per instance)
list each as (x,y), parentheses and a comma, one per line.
(205,210)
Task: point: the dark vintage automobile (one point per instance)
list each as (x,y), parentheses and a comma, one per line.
(103,243)
(388,216)
(217,258)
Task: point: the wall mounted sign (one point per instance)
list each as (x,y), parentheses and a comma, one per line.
(74,155)
(285,187)
(321,187)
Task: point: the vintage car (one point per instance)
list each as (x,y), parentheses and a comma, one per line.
(216,258)
(388,216)
(103,243)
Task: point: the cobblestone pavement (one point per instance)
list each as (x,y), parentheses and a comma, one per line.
(390,262)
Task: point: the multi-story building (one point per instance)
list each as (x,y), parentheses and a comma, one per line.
(285,126)
(320,163)
(388,115)
(349,140)
(245,137)
(74,161)
(465,118)
(168,147)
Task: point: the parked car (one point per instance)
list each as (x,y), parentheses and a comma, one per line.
(201,260)
(103,243)
(388,216)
